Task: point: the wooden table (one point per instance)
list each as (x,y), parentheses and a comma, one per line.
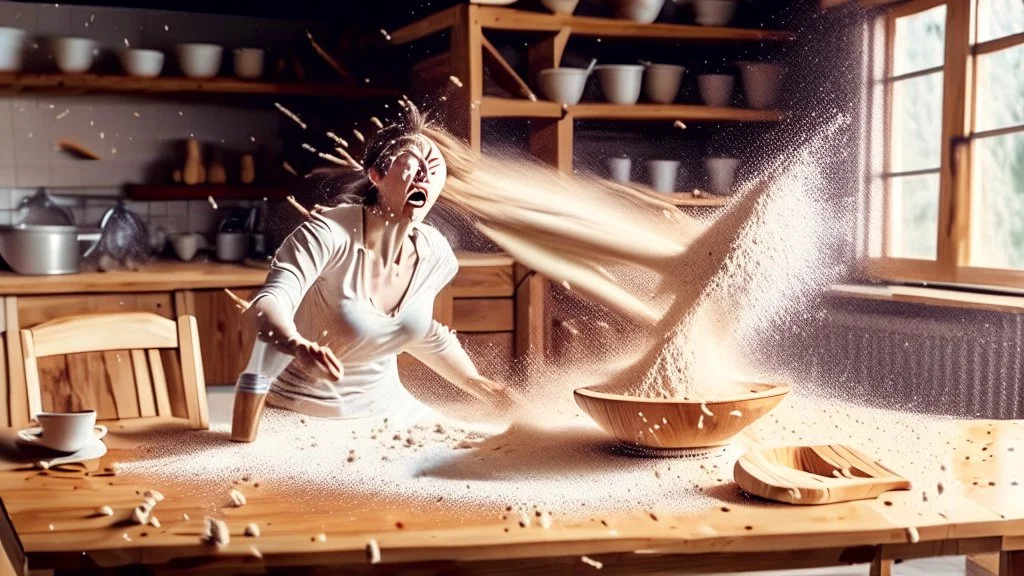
(50,520)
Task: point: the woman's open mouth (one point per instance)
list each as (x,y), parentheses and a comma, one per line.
(416,199)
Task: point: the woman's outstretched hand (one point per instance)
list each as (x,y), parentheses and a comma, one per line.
(316,356)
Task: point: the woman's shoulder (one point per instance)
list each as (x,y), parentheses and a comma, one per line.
(347,215)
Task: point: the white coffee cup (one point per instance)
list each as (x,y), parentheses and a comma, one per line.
(664,174)
(619,169)
(186,245)
(64,431)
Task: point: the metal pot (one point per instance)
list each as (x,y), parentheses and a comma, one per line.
(44,250)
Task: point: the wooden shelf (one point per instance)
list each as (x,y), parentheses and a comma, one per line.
(688,199)
(497,18)
(495,107)
(511,19)
(202,192)
(934,297)
(78,83)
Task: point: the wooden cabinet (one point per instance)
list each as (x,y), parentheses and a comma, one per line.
(225,340)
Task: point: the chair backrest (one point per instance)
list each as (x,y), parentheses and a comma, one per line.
(116,362)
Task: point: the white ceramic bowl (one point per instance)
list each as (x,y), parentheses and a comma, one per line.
(12,48)
(664,174)
(74,55)
(714,12)
(721,173)
(643,11)
(142,63)
(716,89)
(619,168)
(662,81)
(761,82)
(562,85)
(249,63)
(620,83)
(199,60)
(561,6)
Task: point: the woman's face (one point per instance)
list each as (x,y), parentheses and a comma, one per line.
(413,183)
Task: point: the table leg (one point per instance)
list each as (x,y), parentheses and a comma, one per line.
(1011,563)
(880,567)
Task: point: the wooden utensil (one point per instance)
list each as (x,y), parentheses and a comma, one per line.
(77,150)
(658,423)
(821,474)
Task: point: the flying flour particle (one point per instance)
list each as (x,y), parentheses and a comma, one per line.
(524,519)
(736,413)
(359,135)
(455,80)
(704,408)
(591,562)
(255,552)
(105,511)
(154,522)
(252,530)
(376,122)
(700,422)
(913,535)
(212,202)
(156,496)
(679,124)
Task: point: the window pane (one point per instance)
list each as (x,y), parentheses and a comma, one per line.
(998,202)
(915,216)
(1000,97)
(916,123)
(998,18)
(920,41)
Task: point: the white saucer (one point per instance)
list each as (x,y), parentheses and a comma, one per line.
(91,451)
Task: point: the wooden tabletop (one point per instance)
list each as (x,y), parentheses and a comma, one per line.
(54,515)
(166,275)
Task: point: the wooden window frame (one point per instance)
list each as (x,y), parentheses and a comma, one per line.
(952,262)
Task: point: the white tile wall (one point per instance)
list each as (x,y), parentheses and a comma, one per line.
(133,135)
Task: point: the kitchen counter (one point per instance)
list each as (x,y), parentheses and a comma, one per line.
(167,275)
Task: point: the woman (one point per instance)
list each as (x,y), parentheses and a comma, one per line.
(354,286)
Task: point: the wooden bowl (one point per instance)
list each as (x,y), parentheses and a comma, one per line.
(657,423)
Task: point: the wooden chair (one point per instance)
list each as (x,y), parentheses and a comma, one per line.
(115,365)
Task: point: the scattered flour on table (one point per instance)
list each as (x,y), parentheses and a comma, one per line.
(568,468)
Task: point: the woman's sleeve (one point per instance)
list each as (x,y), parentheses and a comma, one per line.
(303,256)
(298,263)
(440,350)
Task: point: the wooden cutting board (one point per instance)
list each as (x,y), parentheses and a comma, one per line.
(821,474)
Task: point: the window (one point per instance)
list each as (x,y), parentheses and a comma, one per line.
(950,183)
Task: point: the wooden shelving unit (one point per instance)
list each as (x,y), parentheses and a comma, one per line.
(85,83)
(551,125)
(202,192)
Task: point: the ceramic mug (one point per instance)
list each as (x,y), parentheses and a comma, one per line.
(64,431)
(232,246)
(185,245)
(619,169)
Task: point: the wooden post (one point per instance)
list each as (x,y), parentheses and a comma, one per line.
(18,398)
(530,328)
(954,175)
(467,65)
(551,142)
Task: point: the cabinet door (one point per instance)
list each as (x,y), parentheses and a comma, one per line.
(224,338)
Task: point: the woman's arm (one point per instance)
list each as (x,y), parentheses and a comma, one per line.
(298,263)
(442,352)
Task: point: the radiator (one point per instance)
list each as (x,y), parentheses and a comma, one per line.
(962,363)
